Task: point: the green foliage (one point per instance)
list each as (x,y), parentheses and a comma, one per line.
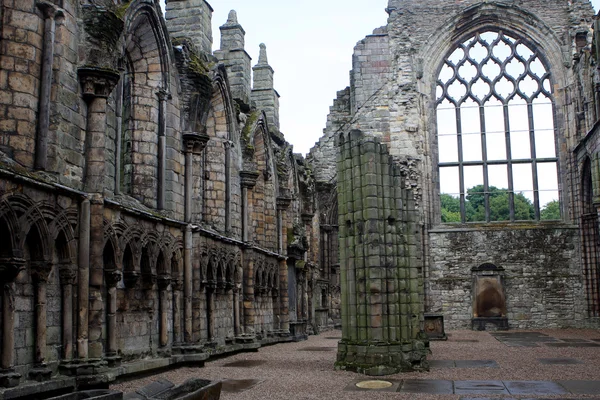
(551,211)
(475,206)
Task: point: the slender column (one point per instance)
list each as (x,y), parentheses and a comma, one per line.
(194,143)
(210,312)
(40,272)
(68,277)
(50,12)
(163,284)
(119,130)
(187,284)
(112,278)
(163,96)
(228,145)
(249,313)
(84,279)
(236,311)
(248,181)
(177,285)
(283,204)
(9,269)
(96,84)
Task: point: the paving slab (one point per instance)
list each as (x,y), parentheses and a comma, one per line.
(442,363)
(480,387)
(245,363)
(476,364)
(575,340)
(559,361)
(428,386)
(578,344)
(318,349)
(581,387)
(373,385)
(465,340)
(239,385)
(534,387)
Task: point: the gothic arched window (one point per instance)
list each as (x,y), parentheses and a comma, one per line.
(496,133)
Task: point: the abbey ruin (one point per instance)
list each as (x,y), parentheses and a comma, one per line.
(153,214)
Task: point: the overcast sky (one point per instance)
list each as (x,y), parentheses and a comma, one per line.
(309,45)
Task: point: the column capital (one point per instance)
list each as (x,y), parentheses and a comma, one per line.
(163,281)
(163,95)
(248,178)
(10,267)
(97,82)
(49,9)
(40,270)
(307,217)
(112,277)
(195,142)
(283,203)
(68,274)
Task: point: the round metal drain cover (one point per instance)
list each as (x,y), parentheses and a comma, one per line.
(374,384)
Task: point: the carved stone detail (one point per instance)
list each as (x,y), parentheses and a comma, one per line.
(97,82)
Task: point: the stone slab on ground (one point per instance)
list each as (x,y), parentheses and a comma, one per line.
(476,364)
(534,387)
(559,361)
(429,386)
(578,344)
(239,385)
(245,363)
(581,387)
(480,387)
(442,364)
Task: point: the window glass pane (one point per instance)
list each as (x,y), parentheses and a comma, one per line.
(449,180)
(496,146)
(524,205)
(498,177)
(472,147)
(547,176)
(522,177)
(446,118)
(543,117)
(494,116)
(545,146)
(448,148)
(519,129)
(469,117)
(549,205)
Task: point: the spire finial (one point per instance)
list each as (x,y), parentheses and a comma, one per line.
(232,18)
(262,57)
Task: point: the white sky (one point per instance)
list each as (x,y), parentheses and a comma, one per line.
(309,45)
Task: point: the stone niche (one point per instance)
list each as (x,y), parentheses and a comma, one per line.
(489,300)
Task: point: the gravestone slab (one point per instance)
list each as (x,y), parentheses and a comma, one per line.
(534,387)
(429,386)
(581,387)
(480,387)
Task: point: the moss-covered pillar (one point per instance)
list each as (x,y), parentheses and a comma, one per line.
(380,279)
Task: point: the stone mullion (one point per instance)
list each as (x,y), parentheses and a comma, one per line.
(177,289)
(83,280)
(187,286)
(163,96)
(249,312)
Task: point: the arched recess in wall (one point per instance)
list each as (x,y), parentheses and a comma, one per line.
(264,202)
(217,160)
(142,95)
(590,237)
(494,122)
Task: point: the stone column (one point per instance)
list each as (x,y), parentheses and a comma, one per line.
(83,285)
(112,279)
(40,270)
(236,311)
(50,12)
(381,291)
(177,285)
(68,277)
(164,280)
(187,285)
(163,96)
(194,143)
(248,181)
(248,297)
(282,205)
(9,269)
(96,85)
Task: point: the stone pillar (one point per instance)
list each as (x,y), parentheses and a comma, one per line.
(112,279)
(164,280)
(50,12)
(381,288)
(40,270)
(236,311)
(9,269)
(96,84)
(68,277)
(83,285)
(187,285)
(163,96)
(248,181)
(194,143)
(177,285)
(248,298)
(282,205)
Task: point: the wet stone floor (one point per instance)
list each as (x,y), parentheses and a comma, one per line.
(548,364)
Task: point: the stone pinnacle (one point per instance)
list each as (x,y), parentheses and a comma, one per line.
(262,57)
(232,18)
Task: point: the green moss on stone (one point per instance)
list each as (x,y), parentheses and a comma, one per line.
(122,10)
